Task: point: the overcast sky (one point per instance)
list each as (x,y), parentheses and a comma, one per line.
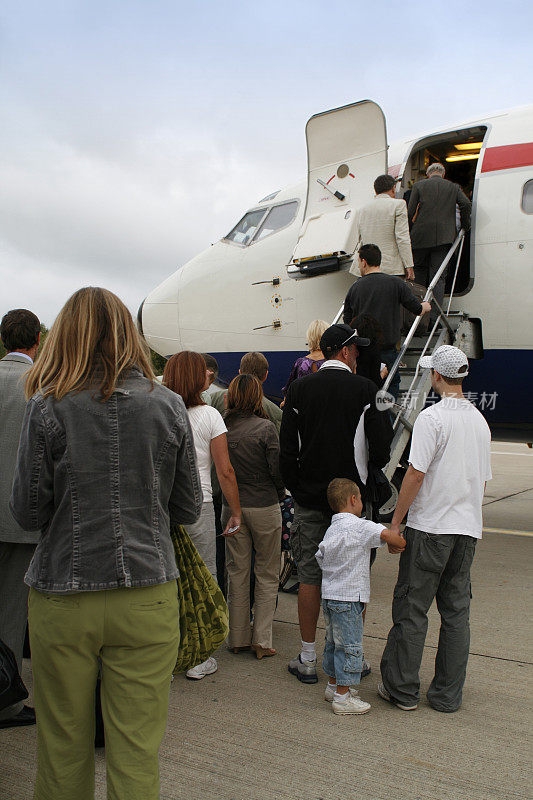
(135,133)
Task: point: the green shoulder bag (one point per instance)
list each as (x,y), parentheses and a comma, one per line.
(204,618)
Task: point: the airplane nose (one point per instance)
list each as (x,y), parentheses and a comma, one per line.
(140,318)
(158,317)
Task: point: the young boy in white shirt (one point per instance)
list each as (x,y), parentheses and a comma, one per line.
(344,557)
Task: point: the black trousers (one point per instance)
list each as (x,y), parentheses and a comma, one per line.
(427,261)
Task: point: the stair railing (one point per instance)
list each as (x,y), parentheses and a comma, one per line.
(441,319)
(428,297)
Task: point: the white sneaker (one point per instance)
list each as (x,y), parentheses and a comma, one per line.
(386,695)
(352,705)
(201,670)
(330,691)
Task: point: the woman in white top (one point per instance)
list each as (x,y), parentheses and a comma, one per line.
(186,374)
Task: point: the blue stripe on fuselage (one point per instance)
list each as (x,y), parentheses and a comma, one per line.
(500,384)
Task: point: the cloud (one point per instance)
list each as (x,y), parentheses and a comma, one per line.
(134,135)
(71,217)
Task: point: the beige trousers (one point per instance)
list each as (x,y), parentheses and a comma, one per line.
(260,529)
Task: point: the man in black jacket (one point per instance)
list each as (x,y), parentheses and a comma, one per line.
(432,213)
(326,418)
(381,296)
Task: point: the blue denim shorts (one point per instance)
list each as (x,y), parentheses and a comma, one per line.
(343,651)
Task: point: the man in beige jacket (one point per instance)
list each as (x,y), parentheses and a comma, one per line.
(383,222)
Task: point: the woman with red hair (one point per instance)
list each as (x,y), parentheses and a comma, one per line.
(186,374)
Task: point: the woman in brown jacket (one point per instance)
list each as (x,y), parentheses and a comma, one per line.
(253,446)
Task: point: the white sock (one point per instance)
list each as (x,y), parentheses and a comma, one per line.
(308,652)
(341,698)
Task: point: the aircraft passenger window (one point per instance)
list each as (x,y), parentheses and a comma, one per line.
(527,197)
(277,218)
(242,232)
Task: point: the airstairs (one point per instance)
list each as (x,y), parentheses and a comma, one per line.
(415,384)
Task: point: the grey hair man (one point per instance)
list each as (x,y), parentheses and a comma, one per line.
(443,488)
(436,169)
(432,214)
(20,331)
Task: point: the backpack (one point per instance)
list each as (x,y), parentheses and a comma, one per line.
(12,689)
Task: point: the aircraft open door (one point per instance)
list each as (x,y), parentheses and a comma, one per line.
(346,151)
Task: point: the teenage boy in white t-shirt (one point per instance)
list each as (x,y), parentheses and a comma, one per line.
(344,558)
(443,488)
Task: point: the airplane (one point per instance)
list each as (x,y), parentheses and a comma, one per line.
(287,260)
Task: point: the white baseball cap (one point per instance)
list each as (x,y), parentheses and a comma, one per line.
(448,361)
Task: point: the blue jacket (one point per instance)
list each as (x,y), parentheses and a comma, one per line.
(103,482)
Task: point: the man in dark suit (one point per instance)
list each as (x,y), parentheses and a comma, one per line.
(432,214)
(20,331)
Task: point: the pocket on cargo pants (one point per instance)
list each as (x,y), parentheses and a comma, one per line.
(399,602)
(353,658)
(433,552)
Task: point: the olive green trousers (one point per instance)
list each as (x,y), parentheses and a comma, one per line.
(134,635)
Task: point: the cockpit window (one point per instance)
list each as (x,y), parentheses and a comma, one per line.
(277,218)
(243,232)
(527,197)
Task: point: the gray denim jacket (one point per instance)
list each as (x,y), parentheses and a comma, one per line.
(104,482)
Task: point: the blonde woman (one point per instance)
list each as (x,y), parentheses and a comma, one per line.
(314,359)
(106,464)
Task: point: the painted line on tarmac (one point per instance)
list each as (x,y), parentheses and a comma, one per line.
(426,646)
(507,531)
(507,496)
(509,453)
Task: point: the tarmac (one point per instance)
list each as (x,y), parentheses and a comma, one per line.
(251,731)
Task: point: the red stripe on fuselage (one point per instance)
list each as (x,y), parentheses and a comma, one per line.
(507,156)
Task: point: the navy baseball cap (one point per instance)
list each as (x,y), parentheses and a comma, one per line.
(341,335)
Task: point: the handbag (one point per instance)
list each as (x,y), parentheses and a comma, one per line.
(204,616)
(287,518)
(12,689)
(288,564)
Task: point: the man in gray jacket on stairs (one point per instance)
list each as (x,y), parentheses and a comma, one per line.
(20,331)
(432,214)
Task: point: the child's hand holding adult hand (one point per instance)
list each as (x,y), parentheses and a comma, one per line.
(395,541)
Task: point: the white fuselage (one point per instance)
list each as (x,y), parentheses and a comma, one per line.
(235,297)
